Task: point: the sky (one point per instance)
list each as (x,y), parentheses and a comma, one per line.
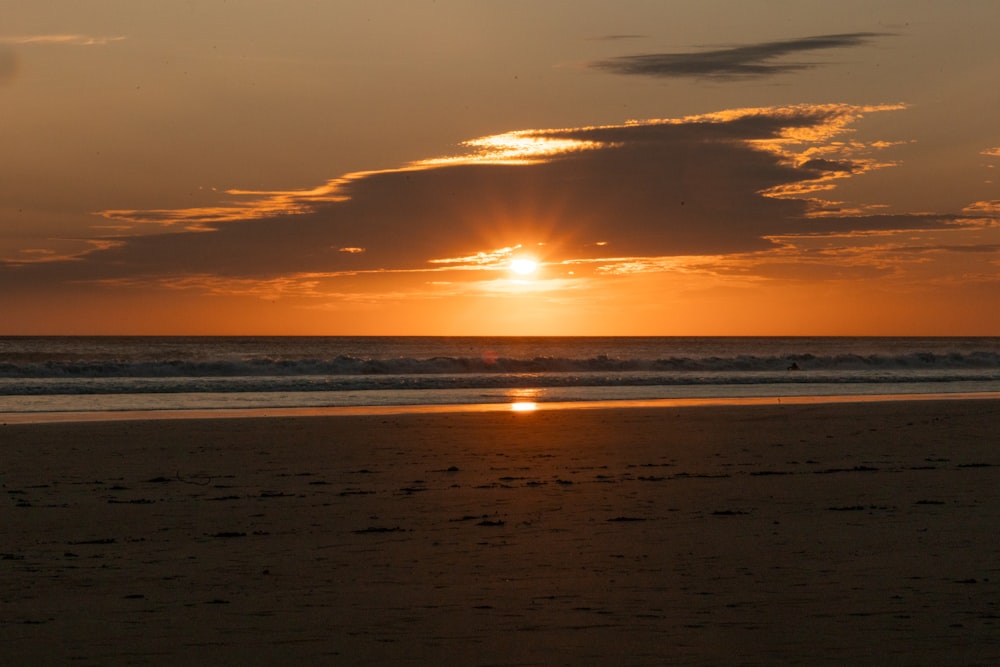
(542,167)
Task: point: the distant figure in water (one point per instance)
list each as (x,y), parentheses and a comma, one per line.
(793,367)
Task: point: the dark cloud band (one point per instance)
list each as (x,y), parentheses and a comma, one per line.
(667,188)
(750,61)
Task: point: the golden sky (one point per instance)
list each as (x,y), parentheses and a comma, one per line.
(572,167)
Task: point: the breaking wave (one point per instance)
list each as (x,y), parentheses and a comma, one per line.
(349,373)
(351,365)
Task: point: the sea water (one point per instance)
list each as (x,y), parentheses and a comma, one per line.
(52,374)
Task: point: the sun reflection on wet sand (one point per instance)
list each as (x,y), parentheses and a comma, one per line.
(524,400)
(359,410)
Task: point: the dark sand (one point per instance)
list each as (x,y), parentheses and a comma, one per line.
(808,534)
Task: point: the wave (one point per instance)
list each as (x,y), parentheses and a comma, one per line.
(346,365)
(351,365)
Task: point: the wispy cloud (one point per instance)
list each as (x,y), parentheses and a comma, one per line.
(737,62)
(50,255)
(10,62)
(985,209)
(618,37)
(66,39)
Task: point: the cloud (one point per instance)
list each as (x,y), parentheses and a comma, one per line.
(970,248)
(66,39)
(738,62)
(620,195)
(992,152)
(619,37)
(10,63)
(985,209)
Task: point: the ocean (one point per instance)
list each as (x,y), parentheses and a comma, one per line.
(94,374)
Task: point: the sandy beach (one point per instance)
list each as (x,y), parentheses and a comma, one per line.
(758,535)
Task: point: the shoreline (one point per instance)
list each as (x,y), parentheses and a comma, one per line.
(41,417)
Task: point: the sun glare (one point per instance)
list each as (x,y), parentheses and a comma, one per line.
(523,266)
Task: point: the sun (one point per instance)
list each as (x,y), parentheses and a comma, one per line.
(523,265)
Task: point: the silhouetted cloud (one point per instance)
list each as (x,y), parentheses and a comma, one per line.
(738,62)
(611,194)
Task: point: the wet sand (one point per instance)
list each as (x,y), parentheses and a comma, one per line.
(794,534)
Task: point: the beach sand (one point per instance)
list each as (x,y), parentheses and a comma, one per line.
(805,534)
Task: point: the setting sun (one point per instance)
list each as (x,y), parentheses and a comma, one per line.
(660,185)
(523,265)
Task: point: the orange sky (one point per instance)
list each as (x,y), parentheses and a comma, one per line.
(376,167)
